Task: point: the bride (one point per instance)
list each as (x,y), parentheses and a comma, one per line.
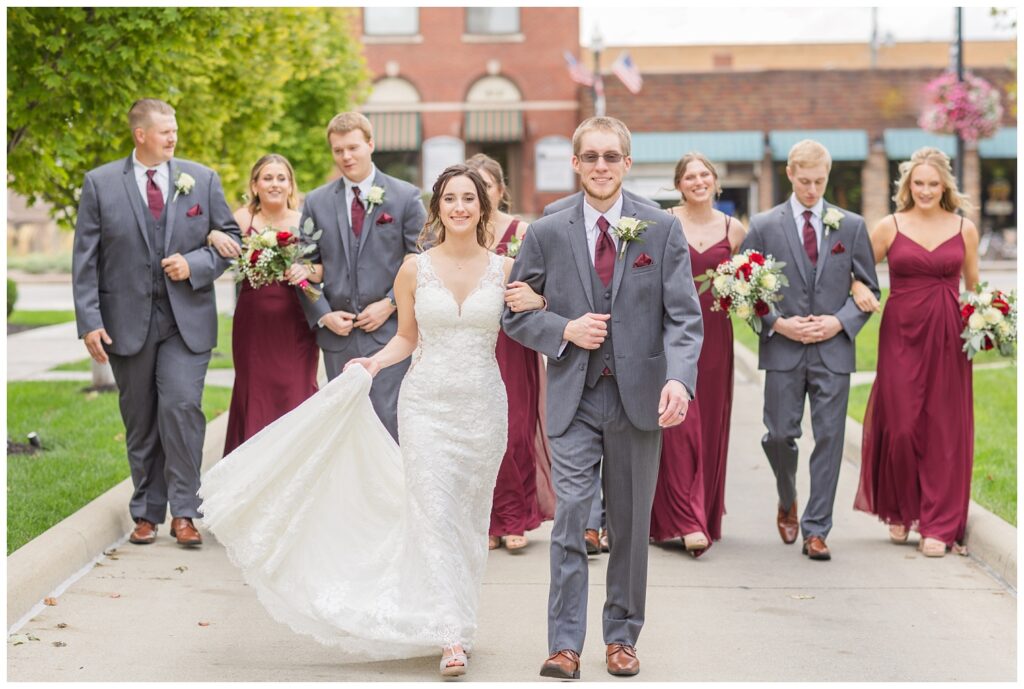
(346,537)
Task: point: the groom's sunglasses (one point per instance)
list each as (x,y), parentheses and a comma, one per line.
(611,158)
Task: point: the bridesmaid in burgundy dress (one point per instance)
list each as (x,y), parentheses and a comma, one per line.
(918,446)
(273,347)
(523,496)
(690,496)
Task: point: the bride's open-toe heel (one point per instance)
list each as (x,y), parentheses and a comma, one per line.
(451,659)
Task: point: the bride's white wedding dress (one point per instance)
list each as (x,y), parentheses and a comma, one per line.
(346,537)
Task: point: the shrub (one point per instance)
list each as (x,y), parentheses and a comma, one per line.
(12,296)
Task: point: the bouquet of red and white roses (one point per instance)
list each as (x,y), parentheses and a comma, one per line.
(990,320)
(268,254)
(746,286)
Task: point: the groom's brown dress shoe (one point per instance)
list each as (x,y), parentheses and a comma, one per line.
(562,665)
(605,547)
(789,525)
(143,533)
(815,548)
(592,539)
(622,660)
(183,530)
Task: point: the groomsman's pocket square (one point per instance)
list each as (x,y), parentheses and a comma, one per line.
(642,261)
(194,211)
(384,219)
(838,248)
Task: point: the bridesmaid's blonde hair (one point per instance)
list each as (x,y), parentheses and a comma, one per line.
(951,199)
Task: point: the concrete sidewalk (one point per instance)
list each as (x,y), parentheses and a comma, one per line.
(750,609)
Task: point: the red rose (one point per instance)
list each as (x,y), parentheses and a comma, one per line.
(745,271)
(988,343)
(724,303)
(966,312)
(1001,304)
(761,308)
(284,238)
(756,258)
(255,256)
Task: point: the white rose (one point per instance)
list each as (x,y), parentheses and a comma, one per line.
(992,315)
(744,311)
(742,288)
(738,260)
(976,321)
(721,283)
(985,298)
(769,281)
(1003,328)
(268,239)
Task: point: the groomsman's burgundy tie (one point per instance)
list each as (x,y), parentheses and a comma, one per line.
(154,197)
(810,239)
(604,254)
(358,212)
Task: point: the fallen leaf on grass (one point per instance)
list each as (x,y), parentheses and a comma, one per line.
(181,568)
(49,601)
(89,396)
(204,624)
(62,625)
(115,595)
(118,437)
(59,644)
(802,596)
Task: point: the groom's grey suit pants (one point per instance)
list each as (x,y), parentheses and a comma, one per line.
(631,459)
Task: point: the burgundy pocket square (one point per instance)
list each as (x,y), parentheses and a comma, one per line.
(194,211)
(384,219)
(642,261)
(838,248)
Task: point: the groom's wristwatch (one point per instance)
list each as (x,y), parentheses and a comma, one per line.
(391,300)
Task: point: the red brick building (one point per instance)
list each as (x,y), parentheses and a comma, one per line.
(453,81)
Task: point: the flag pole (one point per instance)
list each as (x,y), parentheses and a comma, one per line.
(597,44)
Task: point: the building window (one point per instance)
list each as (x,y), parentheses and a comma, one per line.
(492,20)
(391,21)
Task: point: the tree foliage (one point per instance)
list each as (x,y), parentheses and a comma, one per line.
(244,81)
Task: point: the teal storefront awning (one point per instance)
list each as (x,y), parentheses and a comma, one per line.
(669,147)
(900,144)
(1002,145)
(844,145)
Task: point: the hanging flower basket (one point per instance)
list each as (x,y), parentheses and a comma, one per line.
(970,108)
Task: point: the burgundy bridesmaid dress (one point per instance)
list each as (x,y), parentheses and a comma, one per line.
(523,496)
(918,446)
(690,494)
(276,356)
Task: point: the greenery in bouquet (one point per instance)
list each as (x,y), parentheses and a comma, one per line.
(990,321)
(268,254)
(746,286)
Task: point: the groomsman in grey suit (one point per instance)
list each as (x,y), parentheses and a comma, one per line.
(370,223)
(143,288)
(622,332)
(807,348)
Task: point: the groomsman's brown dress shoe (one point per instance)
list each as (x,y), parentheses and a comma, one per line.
(143,533)
(593,541)
(605,548)
(789,525)
(183,530)
(562,665)
(622,660)
(815,548)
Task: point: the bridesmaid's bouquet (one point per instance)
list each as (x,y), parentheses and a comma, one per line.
(746,286)
(990,320)
(268,254)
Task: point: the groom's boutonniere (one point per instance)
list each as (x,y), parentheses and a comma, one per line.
(831,219)
(374,197)
(629,230)
(183,184)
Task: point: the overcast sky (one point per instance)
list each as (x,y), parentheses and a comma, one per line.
(721,24)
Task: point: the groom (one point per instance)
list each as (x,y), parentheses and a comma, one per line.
(370,222)
(622,332)
(142,277)
(808,348)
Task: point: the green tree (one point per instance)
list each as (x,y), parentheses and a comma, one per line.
(244,81)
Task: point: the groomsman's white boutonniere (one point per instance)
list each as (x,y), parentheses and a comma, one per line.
(374,197)
(831,219)
(183,184)
(514,245)
(629,230)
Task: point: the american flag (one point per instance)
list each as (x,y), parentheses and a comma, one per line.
(628,74)
(577,72)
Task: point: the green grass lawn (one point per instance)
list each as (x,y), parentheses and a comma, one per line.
(994,482)
(221,357)
(37,319)
(84,451)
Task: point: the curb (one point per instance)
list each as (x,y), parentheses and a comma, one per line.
(990,540)
(45,565)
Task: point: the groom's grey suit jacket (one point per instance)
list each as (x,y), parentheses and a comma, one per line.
(820,290)
(112,259)
(655,327)
(354,280)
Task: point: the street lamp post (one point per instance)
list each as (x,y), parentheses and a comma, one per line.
(958,162)
(597,44)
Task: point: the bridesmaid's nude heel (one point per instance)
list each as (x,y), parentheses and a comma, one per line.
(898,533)
(695,541)
(932,547)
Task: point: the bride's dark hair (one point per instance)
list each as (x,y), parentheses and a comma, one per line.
(433,232)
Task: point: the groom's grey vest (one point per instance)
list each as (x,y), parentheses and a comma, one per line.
(603,356)
(157,230)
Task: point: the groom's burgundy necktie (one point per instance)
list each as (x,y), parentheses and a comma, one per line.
(358,212)
(604,254)
(154,197)
(810,239)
